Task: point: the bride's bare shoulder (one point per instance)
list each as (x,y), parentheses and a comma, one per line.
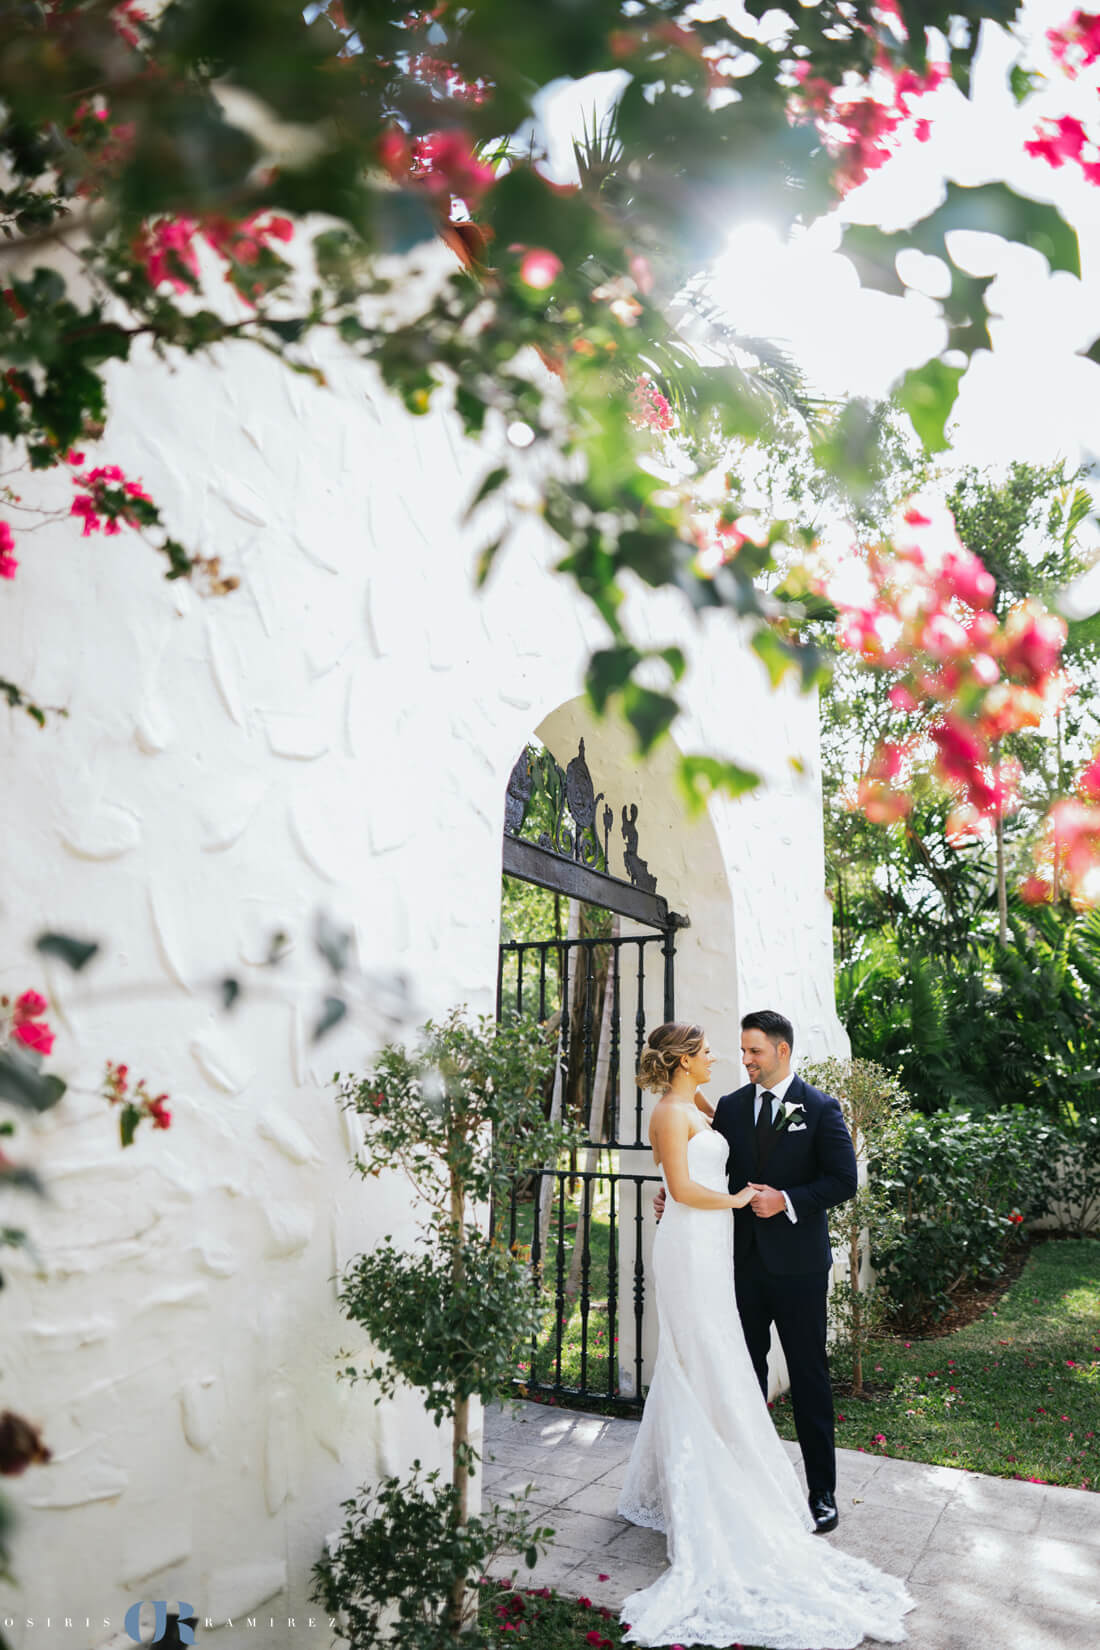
(668,1119)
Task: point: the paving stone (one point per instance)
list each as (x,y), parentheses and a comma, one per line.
(568,1463)
(599,1498)
(546,1490)
(640,1546)
(954,1617)
(622,1580)
(1007,1565)
(1072,1515)
(550,1571)
(615,1476)
(584,1532)
(894,1544)
(1004,1503)
(912,1483)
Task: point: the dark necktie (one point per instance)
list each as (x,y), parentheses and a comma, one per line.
(764,1128)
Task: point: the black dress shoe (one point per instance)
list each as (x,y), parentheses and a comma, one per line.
(823,1508)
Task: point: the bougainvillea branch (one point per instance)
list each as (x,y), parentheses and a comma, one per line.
(136,1103)
(199,160)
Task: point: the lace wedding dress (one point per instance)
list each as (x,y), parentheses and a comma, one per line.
(708,1469)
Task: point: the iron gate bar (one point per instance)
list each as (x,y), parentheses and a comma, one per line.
(588,944)
(531,863)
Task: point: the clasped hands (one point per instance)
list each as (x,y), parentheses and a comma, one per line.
(765,1202)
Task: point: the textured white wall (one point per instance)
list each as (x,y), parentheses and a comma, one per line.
(337,734)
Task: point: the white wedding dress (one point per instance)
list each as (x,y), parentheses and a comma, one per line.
(708,1469)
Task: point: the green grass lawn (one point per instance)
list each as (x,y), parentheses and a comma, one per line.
(1015,1394)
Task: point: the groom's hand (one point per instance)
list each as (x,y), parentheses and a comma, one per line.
(659,1203)
(767,1200)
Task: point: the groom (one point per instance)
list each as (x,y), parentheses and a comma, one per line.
(790,1142)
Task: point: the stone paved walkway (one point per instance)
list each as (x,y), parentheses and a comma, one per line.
(993,1564)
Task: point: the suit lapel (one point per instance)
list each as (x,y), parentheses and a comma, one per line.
(794,1096)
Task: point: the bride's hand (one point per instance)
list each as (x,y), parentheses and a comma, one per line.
(745,1195)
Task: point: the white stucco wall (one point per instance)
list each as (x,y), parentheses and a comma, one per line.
(335,735)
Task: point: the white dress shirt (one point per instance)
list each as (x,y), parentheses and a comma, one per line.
(779,1090)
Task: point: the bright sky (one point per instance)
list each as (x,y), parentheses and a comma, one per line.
(1032,396)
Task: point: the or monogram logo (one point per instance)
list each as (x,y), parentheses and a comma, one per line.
(132,1622)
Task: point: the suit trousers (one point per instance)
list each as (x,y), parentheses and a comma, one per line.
(796,1305)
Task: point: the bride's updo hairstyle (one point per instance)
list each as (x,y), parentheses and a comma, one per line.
(665,1046)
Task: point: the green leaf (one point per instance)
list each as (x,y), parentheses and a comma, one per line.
(531,1557)
(492,481)
(333,1010)
(649,714)
(674,659)
(928,395)
(128,1119)
(77,953)
(25,1085)
(230,990)
(874,254)
(995,209)
(487,558)
(1022,81)
(654,554)
(333,943)
(471,408)
(609,669)
(701,776)
(778,656)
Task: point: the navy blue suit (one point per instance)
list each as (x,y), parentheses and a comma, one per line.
(782,1267)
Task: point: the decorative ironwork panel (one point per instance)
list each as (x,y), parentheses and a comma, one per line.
(563,806)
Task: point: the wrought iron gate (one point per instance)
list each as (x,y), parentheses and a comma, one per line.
(587,1260)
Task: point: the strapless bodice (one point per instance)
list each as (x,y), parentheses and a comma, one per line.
(707,1153)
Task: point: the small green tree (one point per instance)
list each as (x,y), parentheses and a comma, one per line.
(461,1116)
(874,1106)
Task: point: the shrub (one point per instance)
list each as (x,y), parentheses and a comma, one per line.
(874,1107)
(964,1186)
(1077,1194)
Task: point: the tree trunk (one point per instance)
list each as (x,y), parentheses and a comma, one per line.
(1056,871)
(460,1435)
(547,1180)
(856,1315)
(1002,887)
(601,1085)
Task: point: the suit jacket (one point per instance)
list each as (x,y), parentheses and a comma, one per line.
(815,1165)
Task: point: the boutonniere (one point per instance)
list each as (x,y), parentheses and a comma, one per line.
(790,1111)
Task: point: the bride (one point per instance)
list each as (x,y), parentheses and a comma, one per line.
(707,1468)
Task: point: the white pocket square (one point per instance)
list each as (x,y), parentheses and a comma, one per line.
(794,1128)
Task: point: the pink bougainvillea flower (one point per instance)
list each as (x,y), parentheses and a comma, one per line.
(446,162)
(1032,641)
(540,268)
(30,1006)
(159,1112)
(36,1034)
(650,409)
(8,563)
(1077,43)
